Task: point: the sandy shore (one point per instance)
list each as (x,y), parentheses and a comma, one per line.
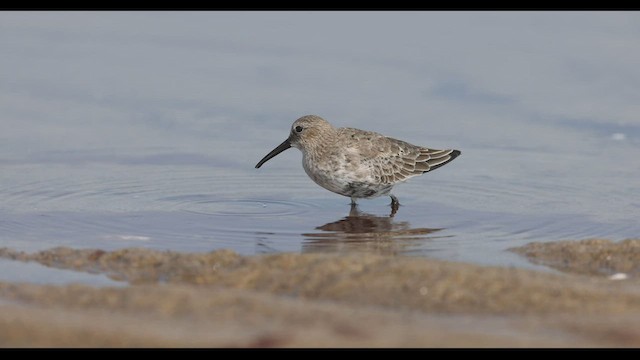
(222,299)
(597,257)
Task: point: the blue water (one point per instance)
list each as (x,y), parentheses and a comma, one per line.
(142,129)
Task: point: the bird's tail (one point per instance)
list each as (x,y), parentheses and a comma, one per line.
(431,159)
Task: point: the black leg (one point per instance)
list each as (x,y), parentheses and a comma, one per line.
(395,204)
(354,211)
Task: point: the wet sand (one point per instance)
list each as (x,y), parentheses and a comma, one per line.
(222,299)
(598,257)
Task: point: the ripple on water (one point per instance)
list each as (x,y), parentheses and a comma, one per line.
(204,204)
(186,208)
(198,208)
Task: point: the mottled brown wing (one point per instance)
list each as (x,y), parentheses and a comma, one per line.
(414,160)
(395,160)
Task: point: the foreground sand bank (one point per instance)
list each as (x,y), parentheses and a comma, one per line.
(224,299)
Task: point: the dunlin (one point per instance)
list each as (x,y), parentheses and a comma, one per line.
(357,163)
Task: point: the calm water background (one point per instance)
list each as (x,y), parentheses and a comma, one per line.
(122,129)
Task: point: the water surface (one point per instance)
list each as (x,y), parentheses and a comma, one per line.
(142,129)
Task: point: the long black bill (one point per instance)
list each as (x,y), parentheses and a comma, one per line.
(282,147)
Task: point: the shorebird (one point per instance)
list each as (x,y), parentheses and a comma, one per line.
(357,163)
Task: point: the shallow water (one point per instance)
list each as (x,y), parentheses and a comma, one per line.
(143,129)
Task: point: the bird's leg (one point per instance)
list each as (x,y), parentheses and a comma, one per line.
(354,208)
(394,201)
(395,204)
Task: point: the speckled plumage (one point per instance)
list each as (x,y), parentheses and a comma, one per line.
(357,163)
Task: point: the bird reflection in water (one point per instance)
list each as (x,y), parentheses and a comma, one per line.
(363,232)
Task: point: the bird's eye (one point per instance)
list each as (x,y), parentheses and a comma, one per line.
(298,128)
